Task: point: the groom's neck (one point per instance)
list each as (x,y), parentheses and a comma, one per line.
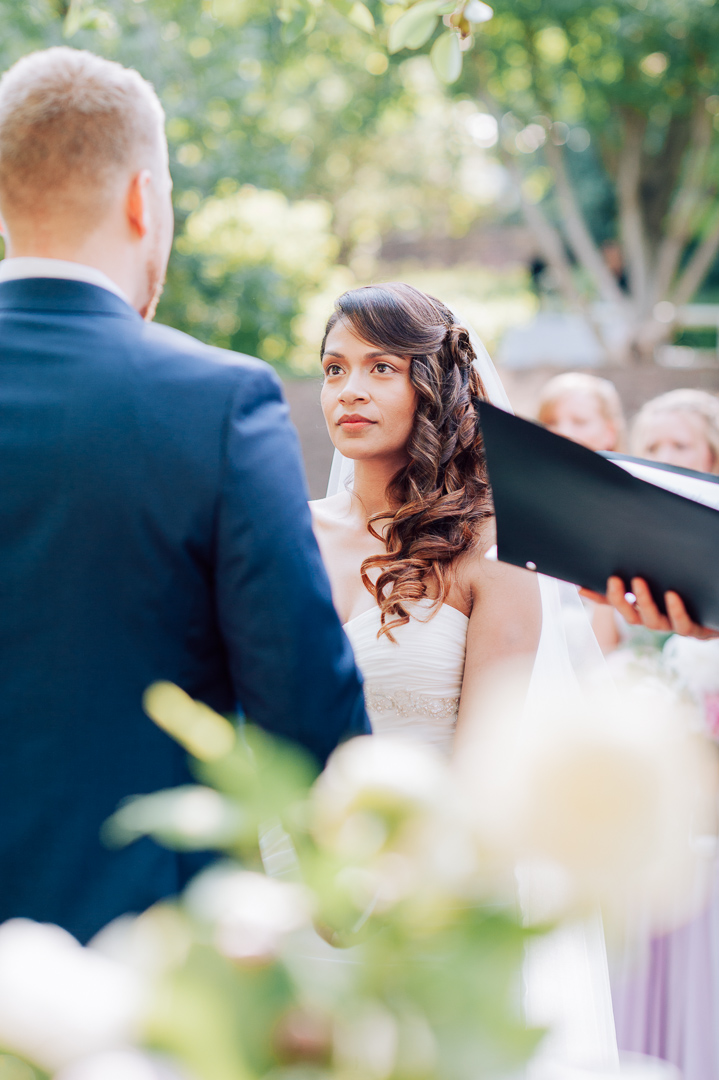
(99,250)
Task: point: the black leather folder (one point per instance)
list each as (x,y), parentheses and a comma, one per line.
(572,514)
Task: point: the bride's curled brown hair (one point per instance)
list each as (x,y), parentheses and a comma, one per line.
(440,498)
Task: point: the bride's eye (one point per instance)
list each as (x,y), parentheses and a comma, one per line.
(332,369)
(383,368)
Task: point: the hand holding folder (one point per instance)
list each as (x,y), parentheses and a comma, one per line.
(644,611)
(573,514)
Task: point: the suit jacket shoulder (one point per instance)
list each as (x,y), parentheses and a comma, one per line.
(168,353)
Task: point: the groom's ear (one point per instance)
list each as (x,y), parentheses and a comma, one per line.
(137,203)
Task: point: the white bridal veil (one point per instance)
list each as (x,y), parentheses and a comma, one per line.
(566,974)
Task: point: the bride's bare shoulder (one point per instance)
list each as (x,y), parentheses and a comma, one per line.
(471,566)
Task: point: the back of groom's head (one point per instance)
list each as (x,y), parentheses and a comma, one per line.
(72,128)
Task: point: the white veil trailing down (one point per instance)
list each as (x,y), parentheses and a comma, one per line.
(566,973)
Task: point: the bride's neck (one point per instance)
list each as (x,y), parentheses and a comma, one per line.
(370,482)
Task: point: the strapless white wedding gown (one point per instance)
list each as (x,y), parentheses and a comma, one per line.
(412,685)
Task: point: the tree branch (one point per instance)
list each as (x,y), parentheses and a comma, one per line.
(684,206)
(630,209)
(699,265)
(551,245)
(574,223)
(582,242)
(548,238)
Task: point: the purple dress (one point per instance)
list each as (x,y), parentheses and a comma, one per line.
(666,1001)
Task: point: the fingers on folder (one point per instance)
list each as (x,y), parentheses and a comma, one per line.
(680,621)
(618,597)
(638,607)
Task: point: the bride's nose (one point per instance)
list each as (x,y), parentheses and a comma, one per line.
(353,390)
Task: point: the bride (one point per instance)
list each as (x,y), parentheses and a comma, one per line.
(427,615)
(404,541)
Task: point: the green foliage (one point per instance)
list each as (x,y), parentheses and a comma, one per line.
(417,25)
(584,63)
(430,987)
(251,259)
(632,85)
(446,57)
(329,100)
(245,106)
(15,1068)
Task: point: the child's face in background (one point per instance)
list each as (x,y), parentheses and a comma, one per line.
(578,416)
(676,438)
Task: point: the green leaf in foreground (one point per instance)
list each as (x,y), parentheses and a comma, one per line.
(413,29)
(361,17)
(188,818)
(446,57)
(197,727)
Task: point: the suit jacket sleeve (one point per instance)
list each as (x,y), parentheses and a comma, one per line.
(291,663)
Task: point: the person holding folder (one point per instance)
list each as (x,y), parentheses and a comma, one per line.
(677,968)
(680,428)
(606,523)
(566,512)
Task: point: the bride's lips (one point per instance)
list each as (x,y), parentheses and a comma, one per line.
(354,421)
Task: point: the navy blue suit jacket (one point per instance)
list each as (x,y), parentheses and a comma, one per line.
(153,525)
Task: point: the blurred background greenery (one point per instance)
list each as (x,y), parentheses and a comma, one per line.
(573,159)
(292,160)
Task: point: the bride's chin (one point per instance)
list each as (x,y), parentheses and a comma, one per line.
(354,452)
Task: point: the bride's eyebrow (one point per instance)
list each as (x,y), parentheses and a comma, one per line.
(367,356)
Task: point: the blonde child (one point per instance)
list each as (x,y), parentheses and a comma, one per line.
(679,428)
(583,408)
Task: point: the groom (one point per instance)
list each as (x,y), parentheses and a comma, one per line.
(153,515)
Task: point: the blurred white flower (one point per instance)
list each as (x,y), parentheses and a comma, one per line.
(598,797)
(478,12)
(59,1001)
(448,859)
(119,1065)
(694,663)
(191,817)
(250,913)
(629,665)
(391,807)
(371,785)
(152,944)
(367,1044)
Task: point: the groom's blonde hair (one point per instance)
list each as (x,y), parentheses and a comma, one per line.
(71,125)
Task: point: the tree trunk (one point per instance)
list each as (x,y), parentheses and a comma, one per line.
(580,239)
(684,206)
(651,263)
(631,222)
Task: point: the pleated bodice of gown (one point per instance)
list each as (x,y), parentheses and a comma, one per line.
(413,685)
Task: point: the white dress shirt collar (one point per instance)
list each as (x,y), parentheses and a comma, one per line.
(30,266)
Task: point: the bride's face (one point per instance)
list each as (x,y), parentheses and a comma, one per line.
(367,398)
